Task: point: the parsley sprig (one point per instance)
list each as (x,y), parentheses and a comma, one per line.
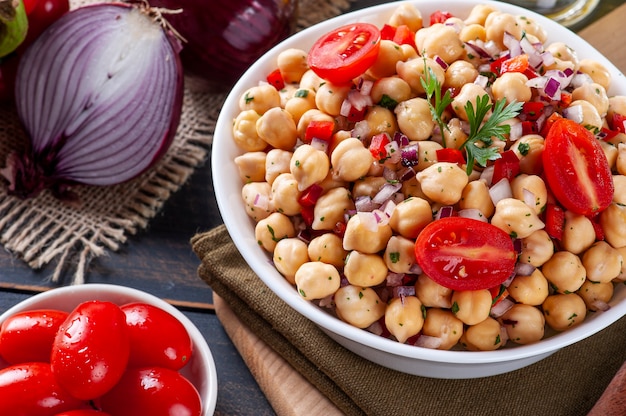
(477,146)
(436,102)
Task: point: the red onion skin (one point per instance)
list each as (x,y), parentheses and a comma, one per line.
(224,37)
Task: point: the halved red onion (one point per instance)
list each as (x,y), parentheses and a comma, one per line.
(100,95)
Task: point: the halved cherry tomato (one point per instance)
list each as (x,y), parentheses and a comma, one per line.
(31,389)
(555,221)
(618,122)
(345,53)
(91,349)
(27,336)
(157,338)
(465,254)
(83,412)
(577,169)
(151,391)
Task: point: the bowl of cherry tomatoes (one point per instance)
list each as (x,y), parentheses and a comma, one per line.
(103,349)
(438,186)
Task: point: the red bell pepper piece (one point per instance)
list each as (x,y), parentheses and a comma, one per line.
(507,166)
(309,197)
(450,155)
(320,129)
(275,79)
(377,146)
(439,17)
(555,221)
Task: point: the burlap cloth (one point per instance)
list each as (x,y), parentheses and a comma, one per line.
(44,230)
(567,383)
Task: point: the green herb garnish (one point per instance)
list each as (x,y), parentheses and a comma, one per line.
(436,102)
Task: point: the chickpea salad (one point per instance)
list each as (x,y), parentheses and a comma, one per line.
(449,182)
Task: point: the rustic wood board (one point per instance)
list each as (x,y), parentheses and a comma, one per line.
(287,391)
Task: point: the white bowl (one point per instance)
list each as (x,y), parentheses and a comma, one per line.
(391,354)
(200,370)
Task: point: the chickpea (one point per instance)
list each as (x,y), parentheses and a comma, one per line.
(411,188)
(302,101)
(439,40)
(414,119)
(524,186)
(245,134)
(516,218)
(564,271)
(483,336)
(529,149)
(511,86)
(316,280)
(308,116)
(598,72)
(351,160)
(610,151)
(284,194)
(588,113)
(472,32)
(602,262)
(622,275)
(365,269)
(529,290)
(443,182)
(286,93)
(289,255)
(256,197)
(564,311)
(431,293)
(400,254)
(259,99)
(537,248)
(331,208)
(454,136)
(442,324)
(309,166)
(524,324)
(311,81)
(410,216)
(408,51)
(595,94)
(414,70)
(475,195)
(272,229)
(381,120)
(359,237)
(578,233)
(360,307)
(468,93)
(563,52)
(251,166)
(328,248)
(497,23)
(617,105)
(385,65)
(329,97)
(471,306)
(460,73)
(276,162)
(407,14)
(404,317)
(391,88)
(620,164)
(277,128)
(478,14)
(595,294)
(532,28)
(368,186)
(292,64)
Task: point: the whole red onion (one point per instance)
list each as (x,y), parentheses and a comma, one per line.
(225,36)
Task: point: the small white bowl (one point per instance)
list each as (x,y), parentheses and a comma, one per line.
(401,357)
(200,370)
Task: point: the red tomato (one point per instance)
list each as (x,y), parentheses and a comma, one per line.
(465,254)
(157,338)
(83,412)
(152,391)
(28,336)
(345,53)
(31,389)
(576,168)
(91,349)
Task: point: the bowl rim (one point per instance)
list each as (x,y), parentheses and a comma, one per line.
(242,231)
(104,291)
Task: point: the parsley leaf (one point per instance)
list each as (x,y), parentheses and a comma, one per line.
(432,87)
(481,135)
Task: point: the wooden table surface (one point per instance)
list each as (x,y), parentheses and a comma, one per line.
(159,260)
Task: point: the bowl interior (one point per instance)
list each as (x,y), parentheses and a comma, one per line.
(241,228)
(200,370)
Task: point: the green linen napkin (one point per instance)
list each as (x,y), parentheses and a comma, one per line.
(567,383)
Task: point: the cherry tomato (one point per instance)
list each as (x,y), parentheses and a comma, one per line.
(465,254)
(91,349)
(151,391)
(157,338)
(41,14)
(576,168)
(345,53)
(83,412)
(31,389)
(28,336)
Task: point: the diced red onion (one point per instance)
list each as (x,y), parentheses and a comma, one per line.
(327,302)
(444,212)
(481,81)
(389,174)
(346,106)
(516,131)
(574,112)
(537,82)
(580,79)
(534,54)
(262,201)
(381,217)
(319,144)
(524,269)
(441,62)
(547,58)
(487,175)
(472,213)
(394,279)
(358,100)
(512,44)
(365,204)
(386,192)
(500,191)
(529,198)
(393,151)
(426,341)
(491,48)
(361,130)
(553,88)
(410,155)
(376,328)
(482,53)
(518,245)
(368,220)
(416,269)
(366,86)
(501,307)
(388,207)
(600,305)
(405,174)
(401,139)
(403,291)
(100,95)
